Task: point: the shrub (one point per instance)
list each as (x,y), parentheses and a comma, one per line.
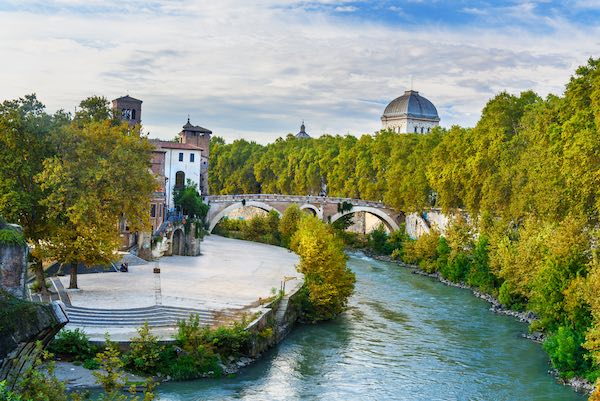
(566,351)
(74,343)
(378,241)
(480,274)
(39,386)
(456,268)
(91,364)
(7,395)
(423,251)
(145,353)
(508,298)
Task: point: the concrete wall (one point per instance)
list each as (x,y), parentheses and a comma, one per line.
(274,324)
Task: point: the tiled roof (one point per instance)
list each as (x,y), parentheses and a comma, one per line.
(174,145)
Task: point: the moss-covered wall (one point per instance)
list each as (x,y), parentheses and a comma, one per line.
(13,260)
(22,324)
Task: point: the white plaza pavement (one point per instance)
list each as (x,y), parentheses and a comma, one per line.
(230,274)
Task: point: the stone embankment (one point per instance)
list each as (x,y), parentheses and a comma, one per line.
(577,383)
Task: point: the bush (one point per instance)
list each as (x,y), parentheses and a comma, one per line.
(7,395)
(423,251)
(91,364)
(508,298)
(378,241)
(456,269)
(145,353)
(74,343)
(480,274)
(566,351)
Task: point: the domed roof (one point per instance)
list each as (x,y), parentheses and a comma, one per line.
(411,104)
(302,133)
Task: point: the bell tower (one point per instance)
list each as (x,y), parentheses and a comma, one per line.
(129,109)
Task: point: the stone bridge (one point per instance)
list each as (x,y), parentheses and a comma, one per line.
(325,208)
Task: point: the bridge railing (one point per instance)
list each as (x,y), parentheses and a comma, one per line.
(291,198)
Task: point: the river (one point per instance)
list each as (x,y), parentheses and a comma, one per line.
(404,337)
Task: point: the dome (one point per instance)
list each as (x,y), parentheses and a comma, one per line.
(302,133)
(413,105)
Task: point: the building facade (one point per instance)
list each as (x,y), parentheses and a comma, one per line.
(172,164)
(410,113)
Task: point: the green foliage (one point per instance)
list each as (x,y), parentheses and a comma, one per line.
(190,202)
(378,241)
(328,281)
(423,251)
(259,228)
(73,343)
(288,225)
(7,395)
(36,385)
(9,236)
(145,353)
(566,351)
(343,222)
(110,363)
(480,275)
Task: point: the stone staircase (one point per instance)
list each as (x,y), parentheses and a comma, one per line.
(156,316)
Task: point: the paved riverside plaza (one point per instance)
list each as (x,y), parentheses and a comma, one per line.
(228,278)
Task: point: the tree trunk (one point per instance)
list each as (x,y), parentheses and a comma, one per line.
(73,281)
(39,277)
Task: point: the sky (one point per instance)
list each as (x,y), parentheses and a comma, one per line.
(255,69)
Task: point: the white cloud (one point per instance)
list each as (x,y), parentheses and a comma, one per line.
(257,70)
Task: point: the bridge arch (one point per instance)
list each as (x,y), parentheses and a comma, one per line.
(260,205)
(384,217)
(318,212)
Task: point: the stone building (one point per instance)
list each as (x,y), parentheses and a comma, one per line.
(410,113)
(200,137)
(128,109)
(172,163)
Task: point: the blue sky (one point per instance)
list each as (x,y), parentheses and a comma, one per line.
(256,69)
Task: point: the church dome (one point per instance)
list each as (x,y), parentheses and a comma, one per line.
(413,105)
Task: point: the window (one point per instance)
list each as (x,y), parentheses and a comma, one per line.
(192,157)
(153,210)
(180,156)
(415,130)
(133,114)
(421,130)
(179,179)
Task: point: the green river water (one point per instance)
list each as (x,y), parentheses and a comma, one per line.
(404,337)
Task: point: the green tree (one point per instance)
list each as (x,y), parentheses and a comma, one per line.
(328,281)
(28,136)
(188,199)
(101,174)
(288,225)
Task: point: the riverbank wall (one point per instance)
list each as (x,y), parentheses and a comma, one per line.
(275,324)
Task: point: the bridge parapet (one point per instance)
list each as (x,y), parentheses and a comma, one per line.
(293,199)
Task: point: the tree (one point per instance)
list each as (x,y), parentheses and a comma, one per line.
(328,281)
(189,200)
(288,225)
(101,174)
(28,136)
